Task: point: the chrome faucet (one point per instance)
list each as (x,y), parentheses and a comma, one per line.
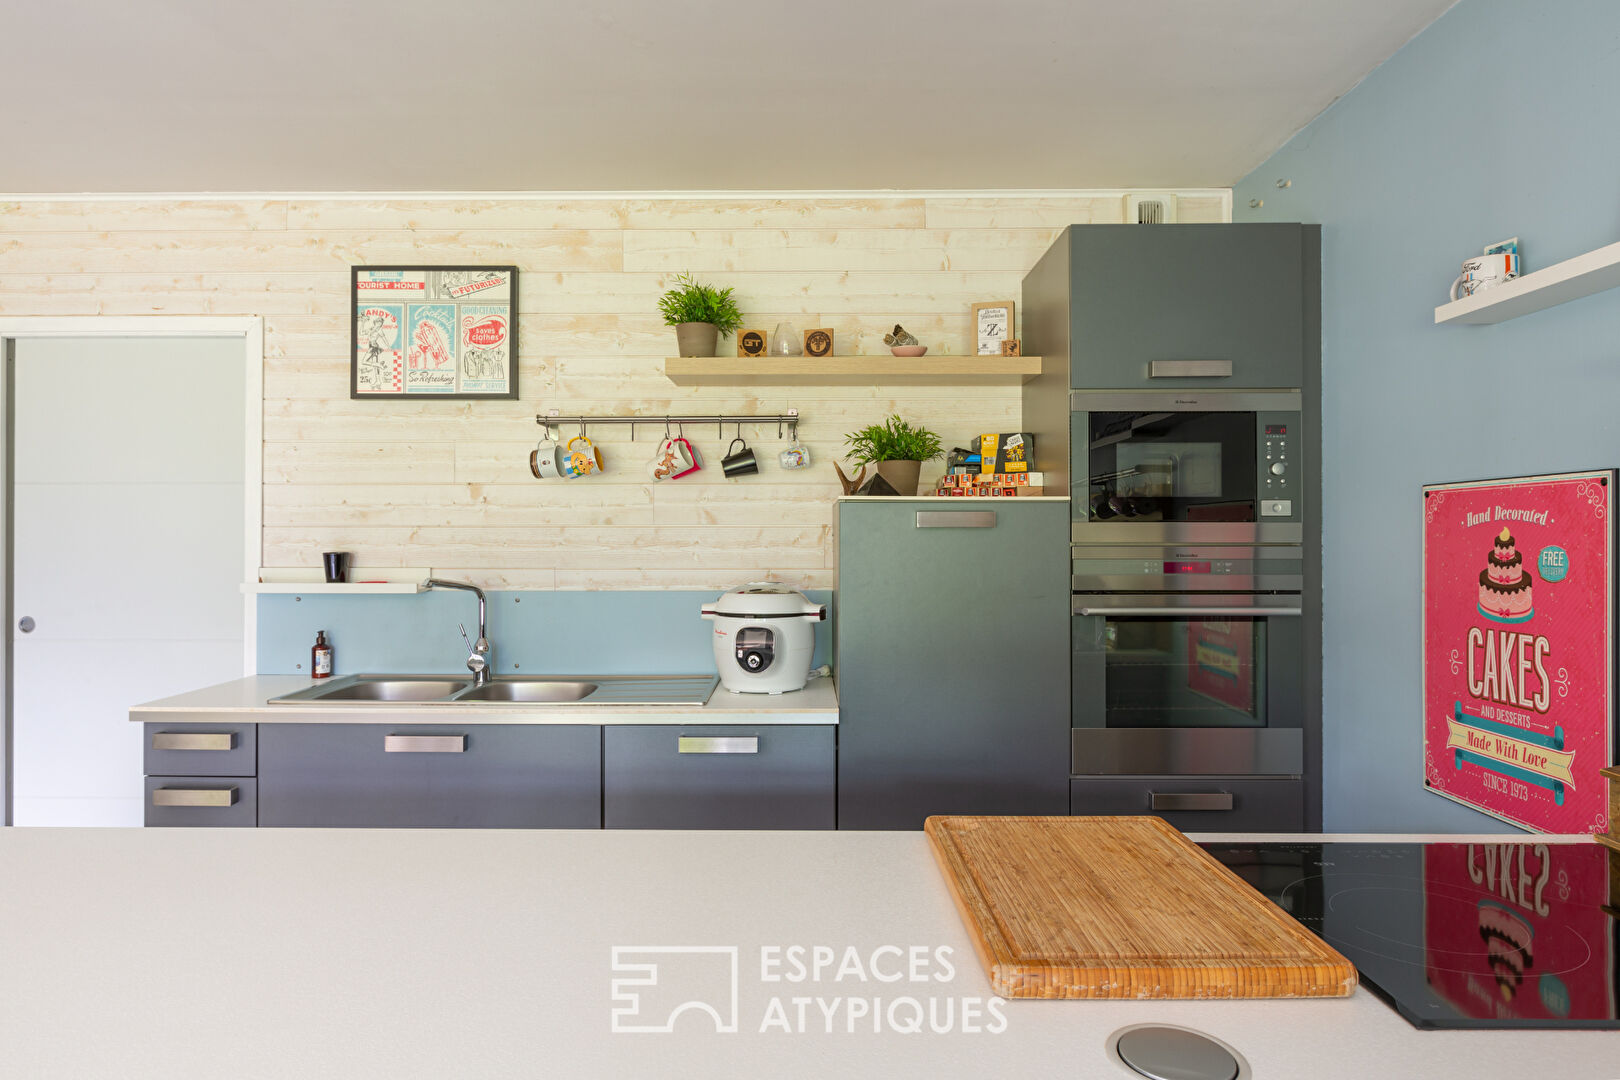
(480,654)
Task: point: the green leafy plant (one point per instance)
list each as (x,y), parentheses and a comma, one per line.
(892,440)
(691,302)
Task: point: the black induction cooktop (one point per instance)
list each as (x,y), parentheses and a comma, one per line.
(1511,935)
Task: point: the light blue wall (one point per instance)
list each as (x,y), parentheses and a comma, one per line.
(553,633)
(1498,120)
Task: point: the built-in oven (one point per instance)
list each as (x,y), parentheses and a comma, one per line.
(1166,467)
(1175,684)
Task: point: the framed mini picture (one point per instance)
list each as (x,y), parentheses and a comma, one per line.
(993,323)
(433,331)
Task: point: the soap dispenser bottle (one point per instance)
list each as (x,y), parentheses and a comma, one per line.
(320,657)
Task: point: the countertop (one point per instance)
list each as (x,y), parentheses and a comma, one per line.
(244,700)
(150,954)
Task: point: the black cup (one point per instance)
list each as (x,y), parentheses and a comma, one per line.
(738,462)
(337,566)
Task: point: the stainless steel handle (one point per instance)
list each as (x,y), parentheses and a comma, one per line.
(956,519)
(26,624)
(1191,800)
(425,744)
(1192,612)
(194,796)
(193,740)
(718,744)
(1190,369)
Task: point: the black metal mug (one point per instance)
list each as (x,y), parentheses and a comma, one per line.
(739,462)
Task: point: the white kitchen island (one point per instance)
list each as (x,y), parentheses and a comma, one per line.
(165,953)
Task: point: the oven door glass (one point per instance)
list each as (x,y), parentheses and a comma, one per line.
(1186,671)
(1169,466)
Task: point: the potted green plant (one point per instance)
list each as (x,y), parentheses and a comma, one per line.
(897,449)
(700,314)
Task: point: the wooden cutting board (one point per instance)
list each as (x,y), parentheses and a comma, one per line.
(1121,907)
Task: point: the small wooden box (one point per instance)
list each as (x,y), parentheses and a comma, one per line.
(1013,347)
(751,342)
(818,342)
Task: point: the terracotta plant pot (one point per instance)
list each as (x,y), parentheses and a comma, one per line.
(901,475)
(697,338)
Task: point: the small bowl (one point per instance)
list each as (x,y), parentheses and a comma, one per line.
(908,350)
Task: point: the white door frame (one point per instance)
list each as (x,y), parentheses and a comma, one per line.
(250,329)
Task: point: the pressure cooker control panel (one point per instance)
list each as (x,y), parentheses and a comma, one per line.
(756,648)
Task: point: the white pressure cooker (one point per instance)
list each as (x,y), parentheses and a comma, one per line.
(764,637)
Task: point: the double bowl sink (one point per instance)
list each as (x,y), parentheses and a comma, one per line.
(457,690)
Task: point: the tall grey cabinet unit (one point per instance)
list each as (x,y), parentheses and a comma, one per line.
(952,646)
(1165,307)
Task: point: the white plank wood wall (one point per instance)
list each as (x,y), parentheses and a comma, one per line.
(446,484)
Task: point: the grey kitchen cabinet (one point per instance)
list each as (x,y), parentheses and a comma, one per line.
(1197,803)
(201,801)
(672,777)
(1173,306)
(455,776)
(200,775)
(952,647)
(223,749)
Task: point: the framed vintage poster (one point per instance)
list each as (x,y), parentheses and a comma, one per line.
(1518,647)
(433,331)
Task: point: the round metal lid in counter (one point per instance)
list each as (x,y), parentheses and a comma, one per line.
(1171,1053)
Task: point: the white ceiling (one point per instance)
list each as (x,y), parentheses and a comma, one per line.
(508,95)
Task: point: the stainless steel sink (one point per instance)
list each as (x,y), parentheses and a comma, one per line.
(361,690)
(382,688)
(531,690)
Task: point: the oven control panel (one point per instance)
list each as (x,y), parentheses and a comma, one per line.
(1277,485)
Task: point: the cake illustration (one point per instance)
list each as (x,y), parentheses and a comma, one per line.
(1504,584)
(1508,941)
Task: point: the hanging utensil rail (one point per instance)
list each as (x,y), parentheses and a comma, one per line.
(789,420)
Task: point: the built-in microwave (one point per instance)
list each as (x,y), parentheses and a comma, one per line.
(1217,466)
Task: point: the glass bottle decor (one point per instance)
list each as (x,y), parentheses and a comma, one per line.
(785,341)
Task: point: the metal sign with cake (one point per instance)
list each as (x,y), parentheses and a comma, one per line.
(1518,647)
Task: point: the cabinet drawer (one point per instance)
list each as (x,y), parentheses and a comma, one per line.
(200,749)
(1197,804)
(458,776)
(202,801)
(668,777)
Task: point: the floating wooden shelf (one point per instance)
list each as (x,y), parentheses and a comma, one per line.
(851,370)
(1559,283)
(368,581)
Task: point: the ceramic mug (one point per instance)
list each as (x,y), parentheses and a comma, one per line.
(1484,272)
(670,460)
(739,462)
(545,460)
(692,455)
(581,458)
(796,456)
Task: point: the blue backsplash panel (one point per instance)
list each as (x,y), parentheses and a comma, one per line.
(542,633)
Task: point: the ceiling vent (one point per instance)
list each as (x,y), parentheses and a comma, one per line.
(1150,209)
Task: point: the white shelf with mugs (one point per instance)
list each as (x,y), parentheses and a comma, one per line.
(1494,292)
